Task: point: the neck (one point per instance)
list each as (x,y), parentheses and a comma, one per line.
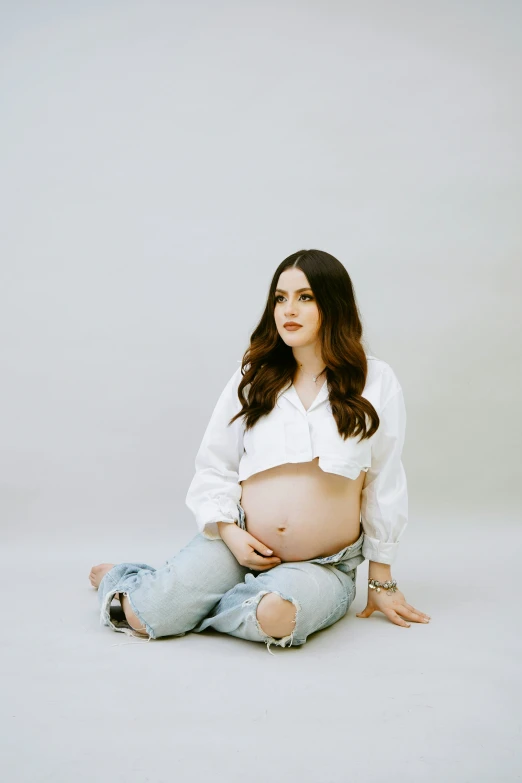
(309,363)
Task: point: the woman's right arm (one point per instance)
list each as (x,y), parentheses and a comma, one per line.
(215,491)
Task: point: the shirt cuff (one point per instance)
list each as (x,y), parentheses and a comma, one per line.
(379,551)
(211,529)
(223,510)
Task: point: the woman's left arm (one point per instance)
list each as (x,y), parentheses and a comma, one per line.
(394,606)
(384,512)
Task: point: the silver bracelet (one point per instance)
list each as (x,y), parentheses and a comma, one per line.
(390,586)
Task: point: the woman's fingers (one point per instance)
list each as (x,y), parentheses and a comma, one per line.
(265,562)
(394,614)
(261,563)
(421,614)
(262,566)
(259,546)
(410,614)
(396,618)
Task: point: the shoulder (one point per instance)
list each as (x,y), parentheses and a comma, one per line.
(382,374)
(234,379)
(237,374)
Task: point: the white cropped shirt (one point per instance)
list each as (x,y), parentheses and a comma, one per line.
(289,434)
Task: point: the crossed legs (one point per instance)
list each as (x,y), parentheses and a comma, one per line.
(276,615)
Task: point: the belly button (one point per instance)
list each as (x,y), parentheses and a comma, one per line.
(281,529)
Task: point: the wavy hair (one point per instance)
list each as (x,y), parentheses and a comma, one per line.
(268,364)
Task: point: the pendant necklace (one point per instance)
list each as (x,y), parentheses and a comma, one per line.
(314,377)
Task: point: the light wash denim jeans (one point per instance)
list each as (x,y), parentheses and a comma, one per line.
(203,586)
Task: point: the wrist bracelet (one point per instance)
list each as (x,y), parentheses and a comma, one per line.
(390,586)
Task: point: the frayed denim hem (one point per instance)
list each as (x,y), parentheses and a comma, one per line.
(122,626)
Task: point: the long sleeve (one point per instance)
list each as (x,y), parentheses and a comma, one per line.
(384,498)
(215,490)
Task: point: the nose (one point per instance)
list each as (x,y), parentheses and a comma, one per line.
(290,311)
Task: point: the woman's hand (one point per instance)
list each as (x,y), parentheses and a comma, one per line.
(243,546)
(394,606)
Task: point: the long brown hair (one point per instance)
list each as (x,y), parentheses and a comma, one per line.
(268,365)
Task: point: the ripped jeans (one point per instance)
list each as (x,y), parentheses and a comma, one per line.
(203,586)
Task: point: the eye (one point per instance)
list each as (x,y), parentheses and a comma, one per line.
(280,296)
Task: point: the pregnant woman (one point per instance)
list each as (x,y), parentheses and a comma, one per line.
(299,479)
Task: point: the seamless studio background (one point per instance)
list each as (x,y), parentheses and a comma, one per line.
(158,161)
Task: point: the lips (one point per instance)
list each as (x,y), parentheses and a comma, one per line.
(292,327)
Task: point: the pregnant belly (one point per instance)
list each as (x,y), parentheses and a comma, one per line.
(301,512)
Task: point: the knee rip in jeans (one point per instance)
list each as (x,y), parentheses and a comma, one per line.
(142,630)
(128,630)
(282,642)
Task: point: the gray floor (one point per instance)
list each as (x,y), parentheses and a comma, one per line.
(364,700)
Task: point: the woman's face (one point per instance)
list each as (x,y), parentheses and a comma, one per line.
(294,301)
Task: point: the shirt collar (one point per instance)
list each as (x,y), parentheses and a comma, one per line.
(293,397)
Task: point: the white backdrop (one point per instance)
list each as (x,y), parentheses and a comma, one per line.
(160,159)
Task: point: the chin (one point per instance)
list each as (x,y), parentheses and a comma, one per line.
(293,339)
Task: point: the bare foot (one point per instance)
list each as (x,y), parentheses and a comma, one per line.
(98,572)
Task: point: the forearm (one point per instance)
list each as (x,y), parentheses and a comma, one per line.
(222,527)
(379,571)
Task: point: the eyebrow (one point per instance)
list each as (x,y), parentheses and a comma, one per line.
(297,290)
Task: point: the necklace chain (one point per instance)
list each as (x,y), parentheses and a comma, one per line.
(314,377)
